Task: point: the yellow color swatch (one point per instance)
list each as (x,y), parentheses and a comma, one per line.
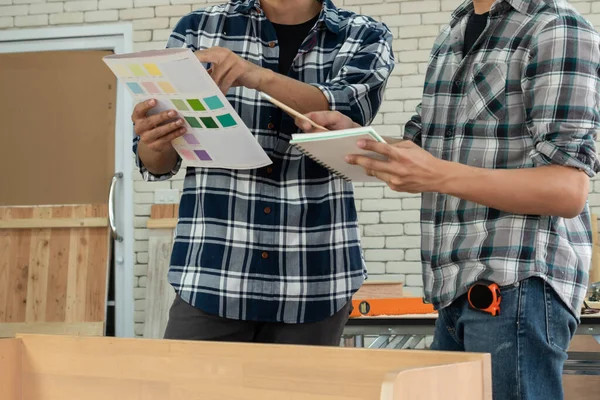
(121,71)
(137,70)
(153,69)
(179,141)
(166,87)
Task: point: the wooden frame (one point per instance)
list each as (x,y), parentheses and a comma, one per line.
(12,329)
(38,367)
(54,269)
(54,223)
(118,38)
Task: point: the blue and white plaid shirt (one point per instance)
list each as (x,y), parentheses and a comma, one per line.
(280,243)
(526,95)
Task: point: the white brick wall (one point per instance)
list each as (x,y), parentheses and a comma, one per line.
(389,220)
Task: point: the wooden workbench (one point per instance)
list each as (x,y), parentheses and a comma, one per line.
(34,367)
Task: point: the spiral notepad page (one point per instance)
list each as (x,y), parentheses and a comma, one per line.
(330,148)
(216,135)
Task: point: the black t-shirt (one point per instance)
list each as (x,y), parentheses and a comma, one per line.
(475,27)
(290,38)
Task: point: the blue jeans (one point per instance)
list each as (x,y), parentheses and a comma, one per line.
(528,340)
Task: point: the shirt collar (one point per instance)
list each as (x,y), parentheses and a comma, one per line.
(329,15)
(527,7)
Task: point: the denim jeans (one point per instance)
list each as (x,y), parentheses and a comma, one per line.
(528,340)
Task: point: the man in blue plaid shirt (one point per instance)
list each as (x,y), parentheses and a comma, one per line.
(502,150)
(273,254)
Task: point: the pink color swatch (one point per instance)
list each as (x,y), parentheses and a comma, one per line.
(150,87)
(188,155)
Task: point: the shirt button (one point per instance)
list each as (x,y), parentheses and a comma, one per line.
(271,126)
(265,255)
(457,84)
(271,44)
(449,133)
(267,210)
(269,170)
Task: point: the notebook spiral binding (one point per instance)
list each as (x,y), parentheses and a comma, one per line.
(321,163)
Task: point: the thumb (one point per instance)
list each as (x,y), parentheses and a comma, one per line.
(332,120)
(205,56)
(304,125)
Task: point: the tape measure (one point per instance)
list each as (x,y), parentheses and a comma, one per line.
(485,297)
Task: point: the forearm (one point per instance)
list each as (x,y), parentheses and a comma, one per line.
(157,163)
(549,190)
(300,96)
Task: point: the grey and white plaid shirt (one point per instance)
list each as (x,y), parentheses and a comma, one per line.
(526,95)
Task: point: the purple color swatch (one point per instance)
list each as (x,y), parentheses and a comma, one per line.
(191,139)
(202,155)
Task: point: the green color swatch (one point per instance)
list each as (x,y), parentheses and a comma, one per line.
(180,105)
(214,103)
(137,70)
(226,120)
(196,105)
(209,122)
(194,123)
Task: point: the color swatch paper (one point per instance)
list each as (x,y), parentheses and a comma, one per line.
(151,87)
(137,70)
(193,122)
(226,120)
(167,87)
(214,103)
(196,105)
(180,105)
(135,88)
(216,136)
(209,122)
(153,69)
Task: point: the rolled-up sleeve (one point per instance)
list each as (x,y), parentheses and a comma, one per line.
(561,87)
(414,127)
(363,65)
(147,175)
(176,40)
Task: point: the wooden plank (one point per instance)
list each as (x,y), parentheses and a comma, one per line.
(165,223)
(5,265)
(77,273)
(39,255)
(54,223)
(10,369)
(12,329)
(44,273)
(19,266)
(379,290)
(85,388)
(58,268)
(159,211)
(98,259)
(466,381)
(159,293)
(197,370)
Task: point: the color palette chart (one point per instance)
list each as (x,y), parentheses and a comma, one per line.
(216,135)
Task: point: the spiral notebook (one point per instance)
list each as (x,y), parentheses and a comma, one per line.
(329,149)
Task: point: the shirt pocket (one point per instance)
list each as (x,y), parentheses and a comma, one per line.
(486,92)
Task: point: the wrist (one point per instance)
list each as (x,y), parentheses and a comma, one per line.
(265,78)
(449,176)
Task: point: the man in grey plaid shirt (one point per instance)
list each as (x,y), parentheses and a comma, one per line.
(502,150)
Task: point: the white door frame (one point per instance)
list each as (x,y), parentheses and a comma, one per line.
(118,38)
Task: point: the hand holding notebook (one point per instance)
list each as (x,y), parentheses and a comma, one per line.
(330,148)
